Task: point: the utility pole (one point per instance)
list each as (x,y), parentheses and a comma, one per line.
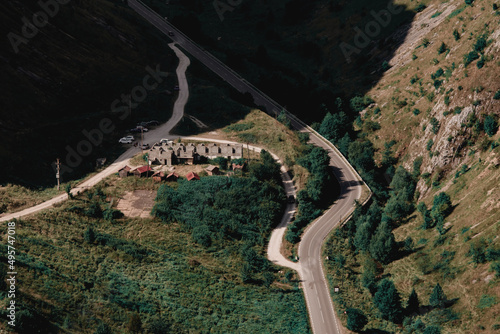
(58,165)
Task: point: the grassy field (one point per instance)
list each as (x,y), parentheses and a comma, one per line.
(145,268)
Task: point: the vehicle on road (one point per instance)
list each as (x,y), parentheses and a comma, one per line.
(125,140)
(129,137)
(152,123)
(138,129)
(145,146)
(166,141)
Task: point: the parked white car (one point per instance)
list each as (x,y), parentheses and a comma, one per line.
(125,140)
(129,137)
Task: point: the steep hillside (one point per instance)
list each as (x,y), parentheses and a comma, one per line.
(62,77)
(292,50)
(435,113)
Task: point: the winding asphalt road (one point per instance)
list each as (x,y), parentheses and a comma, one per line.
(309,267)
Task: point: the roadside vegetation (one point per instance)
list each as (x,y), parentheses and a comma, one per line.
(89,268)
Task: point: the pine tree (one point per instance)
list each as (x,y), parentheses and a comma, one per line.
(413,303)
(363,236)
(388,301)
(356,320)
(437,298)
(383,244)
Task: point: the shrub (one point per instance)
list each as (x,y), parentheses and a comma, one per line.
(469,2)
(477,252)
(481,62)
(358,103)
(416,112)
(430,143)
(470,57)
(480,43)
(385,66)
(420,8)
(356,320)
(456,35)
(497,95)
(438,73)
(490,125)
(435,125)
(486,301)
(442,48)
(425,42)
(238,127)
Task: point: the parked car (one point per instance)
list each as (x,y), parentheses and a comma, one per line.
(166,141)
(145,146)
(152,123)
(125,140)
(138,129)
(129,137)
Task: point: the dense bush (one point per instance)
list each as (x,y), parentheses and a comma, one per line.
(219,207)
(356,319)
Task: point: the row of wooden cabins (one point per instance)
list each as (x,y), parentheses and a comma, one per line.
(147,171)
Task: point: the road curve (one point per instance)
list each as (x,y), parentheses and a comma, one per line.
(310,268)
(149,137)
(274,247)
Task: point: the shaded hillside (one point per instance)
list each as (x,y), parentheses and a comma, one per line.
(295,51)
(64,78)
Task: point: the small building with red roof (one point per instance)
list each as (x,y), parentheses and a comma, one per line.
(192,176)
(144,171)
